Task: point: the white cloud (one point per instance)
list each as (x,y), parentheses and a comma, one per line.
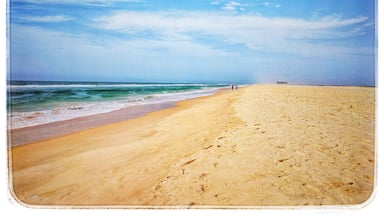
(47,19)
(215,3)
(255,32)
(229,7)
(270,5)
(53,54)
(234,6)
(235,3)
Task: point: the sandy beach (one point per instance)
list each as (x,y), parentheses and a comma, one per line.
(263,145)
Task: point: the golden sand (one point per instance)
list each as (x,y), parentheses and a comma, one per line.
(263,145)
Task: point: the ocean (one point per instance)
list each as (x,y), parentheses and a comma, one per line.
(32,103)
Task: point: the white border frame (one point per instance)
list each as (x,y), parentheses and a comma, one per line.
(371,207)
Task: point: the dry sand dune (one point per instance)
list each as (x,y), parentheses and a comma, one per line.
(263,145)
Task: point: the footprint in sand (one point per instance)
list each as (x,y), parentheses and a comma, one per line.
(189,162)
(208,147)
(282,160)
(234,148)
(203,182)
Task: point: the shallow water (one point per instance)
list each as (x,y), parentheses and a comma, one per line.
(34,103)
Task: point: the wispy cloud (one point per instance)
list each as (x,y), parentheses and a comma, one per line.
(45,19)
(271,5)
(255,32)
(52,52)
(234,6)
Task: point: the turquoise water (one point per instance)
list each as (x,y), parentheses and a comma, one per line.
(34,102)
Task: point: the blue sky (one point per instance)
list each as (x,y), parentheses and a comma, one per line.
(300,41)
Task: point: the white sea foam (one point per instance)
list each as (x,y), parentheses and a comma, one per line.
(69,86)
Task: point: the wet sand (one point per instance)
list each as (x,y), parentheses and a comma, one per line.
(27,135)
(263,145)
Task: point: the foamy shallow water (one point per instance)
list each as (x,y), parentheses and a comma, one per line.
(66,111)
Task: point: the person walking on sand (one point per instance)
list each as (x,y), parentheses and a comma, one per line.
(232,87)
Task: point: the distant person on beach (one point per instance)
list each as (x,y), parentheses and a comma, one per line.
(232,87)
(236,87)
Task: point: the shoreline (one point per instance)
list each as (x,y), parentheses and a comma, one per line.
(263,145)
(31,134)
(64,102)
(41,132)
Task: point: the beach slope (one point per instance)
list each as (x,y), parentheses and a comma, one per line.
(263,145)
